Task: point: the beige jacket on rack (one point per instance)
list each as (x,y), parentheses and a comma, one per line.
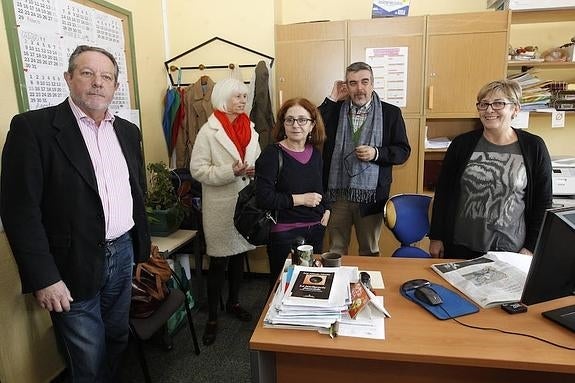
(198,108)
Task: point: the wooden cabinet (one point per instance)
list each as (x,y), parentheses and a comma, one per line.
(464,52)
(309,58)
(394,32)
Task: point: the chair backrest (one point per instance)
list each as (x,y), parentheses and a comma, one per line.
(407,216)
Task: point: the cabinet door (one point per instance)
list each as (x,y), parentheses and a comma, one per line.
(393,32)
(464,52)
(309,57)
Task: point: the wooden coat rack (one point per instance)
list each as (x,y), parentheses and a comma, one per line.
(174,68)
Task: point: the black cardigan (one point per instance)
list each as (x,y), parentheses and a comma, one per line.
(538,194)
(294,178)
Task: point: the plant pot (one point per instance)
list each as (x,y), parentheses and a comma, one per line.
(165,222)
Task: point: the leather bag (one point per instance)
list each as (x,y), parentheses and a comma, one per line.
(149,285)
(252,222)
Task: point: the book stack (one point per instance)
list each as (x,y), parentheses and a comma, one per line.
(536,92)
(311,297)
(330,300)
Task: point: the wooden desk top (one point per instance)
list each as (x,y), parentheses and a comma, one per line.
(173,241)
(414,335)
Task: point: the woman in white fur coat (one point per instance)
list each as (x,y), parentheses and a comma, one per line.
(223,159)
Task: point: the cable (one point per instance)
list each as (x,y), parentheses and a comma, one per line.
(507,332)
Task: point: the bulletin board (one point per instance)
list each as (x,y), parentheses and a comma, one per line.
(42,34)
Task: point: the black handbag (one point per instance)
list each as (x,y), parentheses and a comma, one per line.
(252,222)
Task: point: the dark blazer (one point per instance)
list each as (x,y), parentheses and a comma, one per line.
(394,150)
(50,205)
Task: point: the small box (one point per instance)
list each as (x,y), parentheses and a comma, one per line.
(389,8)
(539,4)
(570,52)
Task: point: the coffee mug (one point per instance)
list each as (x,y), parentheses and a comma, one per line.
(331,259)
(305,255)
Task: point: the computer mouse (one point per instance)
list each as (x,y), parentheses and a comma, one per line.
(414,284)
(427,295)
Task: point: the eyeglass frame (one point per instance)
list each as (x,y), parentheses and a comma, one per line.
(491,104)
(347,167)
(299,121)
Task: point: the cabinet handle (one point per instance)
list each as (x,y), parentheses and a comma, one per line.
(430,97)
(281,97)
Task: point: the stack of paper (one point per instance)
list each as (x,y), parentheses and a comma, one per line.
(535,91)
(437,143)
(318,298)
(315,296)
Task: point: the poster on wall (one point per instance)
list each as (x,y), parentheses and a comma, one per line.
(389,65)
(49,31)
(389,8)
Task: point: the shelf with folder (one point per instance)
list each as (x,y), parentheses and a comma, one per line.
(433,158)
(540,64)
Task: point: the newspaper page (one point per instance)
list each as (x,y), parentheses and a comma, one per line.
(488,280)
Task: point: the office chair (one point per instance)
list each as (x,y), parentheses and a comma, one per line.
(407,216)
(142,329)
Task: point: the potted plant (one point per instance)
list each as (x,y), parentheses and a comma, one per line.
(164,210)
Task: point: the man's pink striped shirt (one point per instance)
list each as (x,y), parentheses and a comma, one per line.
(111,171)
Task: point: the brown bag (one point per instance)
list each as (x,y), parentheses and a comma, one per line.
(149,285)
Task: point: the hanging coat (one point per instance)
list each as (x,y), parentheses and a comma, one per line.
(198,108)
(261,113)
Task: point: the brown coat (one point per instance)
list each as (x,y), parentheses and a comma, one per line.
(198,108)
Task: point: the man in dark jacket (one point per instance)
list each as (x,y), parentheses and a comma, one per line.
(365,138)
(72,204)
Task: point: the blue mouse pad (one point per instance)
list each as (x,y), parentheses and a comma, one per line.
(453,306)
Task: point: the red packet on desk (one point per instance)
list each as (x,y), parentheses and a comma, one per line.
(359,299)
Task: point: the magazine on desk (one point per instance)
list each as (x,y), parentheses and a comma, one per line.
(489,280)
(317,298)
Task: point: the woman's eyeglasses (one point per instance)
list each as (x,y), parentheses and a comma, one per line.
(301,121)
(495,105)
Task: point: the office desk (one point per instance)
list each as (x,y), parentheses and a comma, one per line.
(418,347)
(173,242)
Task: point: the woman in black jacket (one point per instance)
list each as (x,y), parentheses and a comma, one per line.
(495,183)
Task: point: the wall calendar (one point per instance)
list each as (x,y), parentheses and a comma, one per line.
(48,31)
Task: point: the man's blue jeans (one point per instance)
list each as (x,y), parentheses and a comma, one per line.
(94,333)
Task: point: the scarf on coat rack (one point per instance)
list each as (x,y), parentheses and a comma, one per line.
(237,130)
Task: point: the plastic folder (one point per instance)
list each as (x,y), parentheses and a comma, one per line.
(453,306)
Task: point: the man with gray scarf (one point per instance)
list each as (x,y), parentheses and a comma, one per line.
(365,138)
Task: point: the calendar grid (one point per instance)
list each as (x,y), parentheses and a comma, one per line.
(48,32)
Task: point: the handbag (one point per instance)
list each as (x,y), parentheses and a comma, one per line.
(251,221)
(149,288)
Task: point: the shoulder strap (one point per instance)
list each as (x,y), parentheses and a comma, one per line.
(280,161)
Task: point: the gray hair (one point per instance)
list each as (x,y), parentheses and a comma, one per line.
(510,88)
(86,48)
(224,90)
(357,66)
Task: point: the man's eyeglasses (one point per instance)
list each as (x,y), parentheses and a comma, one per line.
(301,121)
(495,105)
(352,171)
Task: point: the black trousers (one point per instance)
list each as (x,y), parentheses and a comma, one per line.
(216,278)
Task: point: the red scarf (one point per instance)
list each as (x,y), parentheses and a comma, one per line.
(237,130)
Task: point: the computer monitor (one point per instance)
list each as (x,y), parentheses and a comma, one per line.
(552,271)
